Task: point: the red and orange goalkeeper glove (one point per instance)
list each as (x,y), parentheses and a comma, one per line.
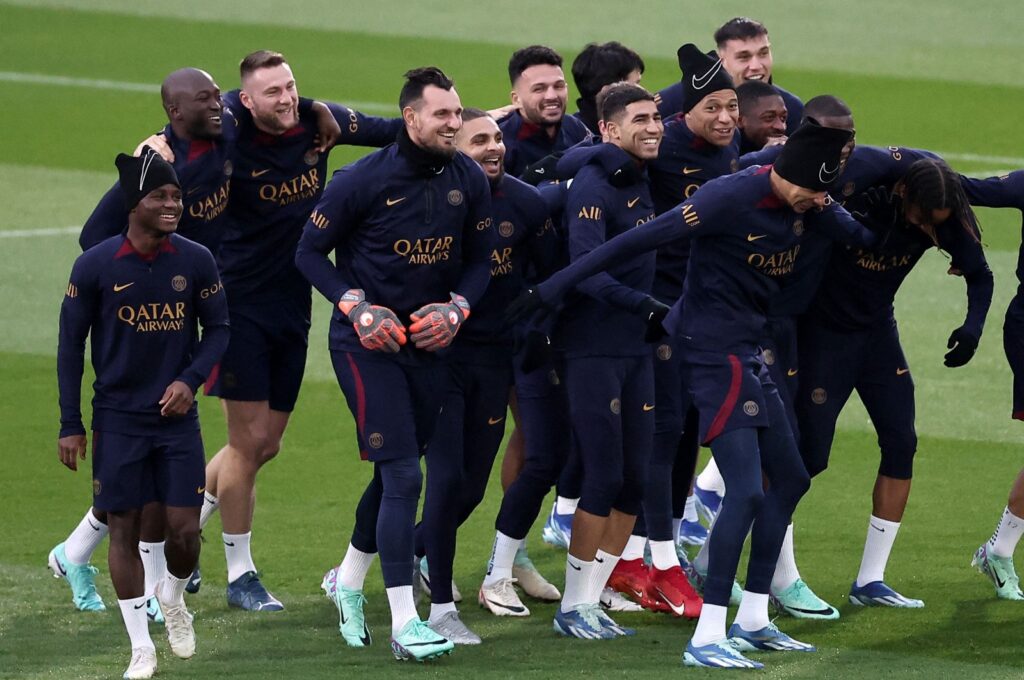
(377,327)
(434,326)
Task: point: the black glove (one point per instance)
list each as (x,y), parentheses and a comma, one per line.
(542,170)
(962,345)
(525,306)
(533,350)
(654,313)
(882,207)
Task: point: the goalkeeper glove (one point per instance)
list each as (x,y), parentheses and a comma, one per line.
(434,326)
(377,327)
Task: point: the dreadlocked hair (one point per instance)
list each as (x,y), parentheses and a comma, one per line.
(930,184)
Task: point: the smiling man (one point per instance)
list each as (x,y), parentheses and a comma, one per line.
(410,228)
(609,375)
(278,175)
(538,127)
(142,296)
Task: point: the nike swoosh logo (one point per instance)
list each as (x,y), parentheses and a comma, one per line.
(599,560)
(756,237)
(791,372)
(259,173)
(648,407)
(575,567)
(395,201)
(119,287)
(511,608)
(630,204)
(539,171)
(192,191)
(230,545)
(877,528)
(902,371)
(201,489)
(810,611)
(495,421)
(144,550)
(94,527)
(690,171)
(365,639)
(60,568)
(140,606)
(999,582)
(699,83)
(828,176)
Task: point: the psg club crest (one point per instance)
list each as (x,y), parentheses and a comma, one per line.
(179,283)
(228,168)
(506,229)
(455,197)
(312,157)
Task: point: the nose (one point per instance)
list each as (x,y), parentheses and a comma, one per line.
(779,126)
(455,121)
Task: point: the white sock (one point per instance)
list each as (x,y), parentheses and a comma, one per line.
(133,611)
(577,577)
(352,570)
(210,505)
(90,532)
(239,558)
(710,479)
(566,506)
(154,564)
(881,535)
(676,523)
(1004,540)
(690,513)
(503,555)
(634,549)
(663,555)
(439,610)
(753,611)
(604,565)
(403,607)
(172,589)
(786,572)
(710,625)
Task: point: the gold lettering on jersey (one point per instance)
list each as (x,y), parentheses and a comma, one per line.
(690,188)
(591,212)
(645,219)
(211,291)
(353,122)
(548,226)
(895,151)
(425,250)
(72,291)
(501,260)
(209,207)
(296,189)
(319,220)
(690,216)
(774,264)
(874,262)
(483,224)
(154,316)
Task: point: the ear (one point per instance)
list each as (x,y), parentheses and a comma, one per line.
(515,99)
(245,99)
(409,116)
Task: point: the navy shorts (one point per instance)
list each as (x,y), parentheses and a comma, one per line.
(266,355)
(1013,345)
(395,405)
(130,470)
(835,363)
(779,354)
(726,389)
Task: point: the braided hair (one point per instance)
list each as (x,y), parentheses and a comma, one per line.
(930,184)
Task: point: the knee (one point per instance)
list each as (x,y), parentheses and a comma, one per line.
(402,478)
(744,498)
(898,451)
(601,491)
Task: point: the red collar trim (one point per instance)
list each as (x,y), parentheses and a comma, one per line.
(198,147)
(128,249)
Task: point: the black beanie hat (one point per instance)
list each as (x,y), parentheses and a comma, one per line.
(810,157)
(702,75)
(139,175)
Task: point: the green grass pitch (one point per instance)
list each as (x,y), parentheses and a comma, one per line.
(940,75)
